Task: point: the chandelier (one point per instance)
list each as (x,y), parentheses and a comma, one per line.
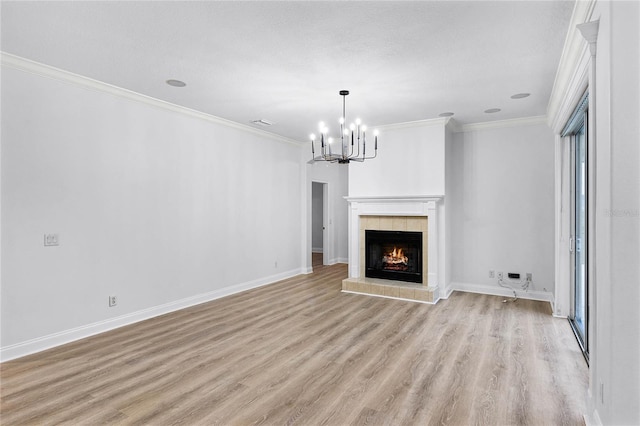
(353,144)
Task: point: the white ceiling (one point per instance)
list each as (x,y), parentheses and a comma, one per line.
(286,61)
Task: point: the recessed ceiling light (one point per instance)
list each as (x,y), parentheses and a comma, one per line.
(492,110)
(445,114)
(520,95)
(176,83)
(262,122)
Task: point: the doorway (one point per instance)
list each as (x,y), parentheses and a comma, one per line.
(319,223)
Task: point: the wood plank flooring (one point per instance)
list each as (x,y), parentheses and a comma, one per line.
(301,352)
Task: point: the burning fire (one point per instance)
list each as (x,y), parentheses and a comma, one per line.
(395,257)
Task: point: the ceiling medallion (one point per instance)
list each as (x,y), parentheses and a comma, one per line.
(346,152)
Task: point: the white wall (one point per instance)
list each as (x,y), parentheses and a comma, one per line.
(501,202)
(449,215)
(336,177)
(615,355)
(614,271)
(160,208)
(411,161)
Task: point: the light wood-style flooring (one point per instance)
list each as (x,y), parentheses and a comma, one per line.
(301,352)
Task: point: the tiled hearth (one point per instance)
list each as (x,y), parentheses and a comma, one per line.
(393,214)
(390,289)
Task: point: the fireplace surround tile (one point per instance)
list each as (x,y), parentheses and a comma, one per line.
(406,293)
(395,223)
(399,224)
(391,291)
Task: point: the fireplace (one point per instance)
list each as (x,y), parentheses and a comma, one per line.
(411,214)
(393,255)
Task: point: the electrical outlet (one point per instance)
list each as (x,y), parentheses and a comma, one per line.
(113,301)
(276,264)
(51,240)
(500,275)
(529,276)
(492,273)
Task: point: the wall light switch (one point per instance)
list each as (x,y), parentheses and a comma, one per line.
(51,240)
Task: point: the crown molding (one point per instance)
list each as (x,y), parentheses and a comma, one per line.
(571,77)
(500,124)
(418,123)
(27,65)
(394,199)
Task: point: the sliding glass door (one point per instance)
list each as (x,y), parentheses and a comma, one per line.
(579,317)
(580,295)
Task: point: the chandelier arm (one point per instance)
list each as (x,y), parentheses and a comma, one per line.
(351,152)
(374,156)
(375,150)
(358,145)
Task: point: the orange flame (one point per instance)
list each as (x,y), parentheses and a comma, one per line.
(396,256)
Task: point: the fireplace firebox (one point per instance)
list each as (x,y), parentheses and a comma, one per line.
(393,255)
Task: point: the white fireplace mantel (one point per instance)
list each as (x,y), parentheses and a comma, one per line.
(418,205)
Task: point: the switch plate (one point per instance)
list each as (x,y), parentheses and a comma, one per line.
(51,240)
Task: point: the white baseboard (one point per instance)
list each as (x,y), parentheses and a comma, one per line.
(67,336)
(339,260)
(593,419)
(446,292)
(543,296)
(317,250)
